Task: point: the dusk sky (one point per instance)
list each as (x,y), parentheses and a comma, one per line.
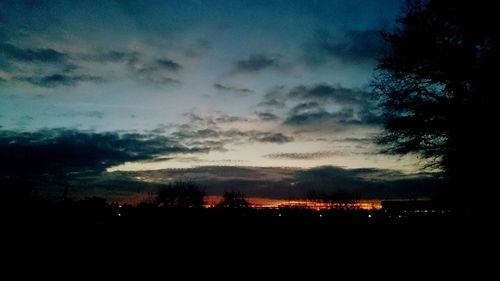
(190,84)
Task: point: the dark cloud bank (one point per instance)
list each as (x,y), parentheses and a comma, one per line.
(66,152)
(289,183)
(80,159)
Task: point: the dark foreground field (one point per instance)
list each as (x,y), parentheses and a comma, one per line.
(65,220)
(287,240)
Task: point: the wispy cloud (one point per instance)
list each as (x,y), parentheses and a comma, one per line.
(221,130)
(257,63)
(43,55)
(90,114)
(355,47)
(56,80)
(304,156)
(267,116)
(158,71)
(231,89)
(274,98)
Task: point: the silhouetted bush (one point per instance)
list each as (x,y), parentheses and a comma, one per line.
(180,195)
(233,200)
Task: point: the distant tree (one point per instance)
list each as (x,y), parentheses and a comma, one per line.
(339,200)
(180,195)
(437,85)
(233,200)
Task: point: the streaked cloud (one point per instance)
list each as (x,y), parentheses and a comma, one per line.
(303,156)
(43,55)
(56,80)
(267,116)
(225,88)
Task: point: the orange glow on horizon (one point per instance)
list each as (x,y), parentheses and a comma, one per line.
(259,202)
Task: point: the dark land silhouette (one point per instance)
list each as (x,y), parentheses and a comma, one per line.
(182,203)
(235,231)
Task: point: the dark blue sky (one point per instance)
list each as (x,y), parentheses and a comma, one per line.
(238,83)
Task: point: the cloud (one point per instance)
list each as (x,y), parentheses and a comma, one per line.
(257,63)
(44,55)
(306,107)
(197,49)
(320,103)
(225,88)
(212,145)
(317,118)
(323,106)
(42,67)
(46,67)
(224,118)
(328,93)
(196,134)
(56,80)
(273,138)
(302,156)
(363,141)
(355,47)
(157,71)
(235,135)
(166,64)
(90,114)
(110,56)
(274,98)
(343,118)
(267,116)
(206,130)
(65,152)
(289,183)
(368,182)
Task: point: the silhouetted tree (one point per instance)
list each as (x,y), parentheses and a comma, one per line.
(181,194)
(438,90)
(339,200)
(233,200)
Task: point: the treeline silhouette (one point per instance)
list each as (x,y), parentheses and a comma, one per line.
(181,204)
(340,200)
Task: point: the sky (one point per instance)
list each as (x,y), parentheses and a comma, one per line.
(137,86)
